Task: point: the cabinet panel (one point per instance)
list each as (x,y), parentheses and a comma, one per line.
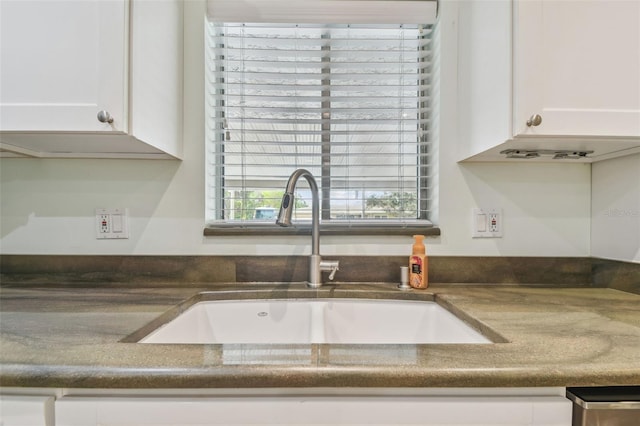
(62,62)
(577,64)
(26,410)
(325,410)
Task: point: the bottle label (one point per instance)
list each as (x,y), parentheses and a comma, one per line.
(416,265)
(415,278)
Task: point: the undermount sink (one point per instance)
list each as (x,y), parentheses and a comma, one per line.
(305,321)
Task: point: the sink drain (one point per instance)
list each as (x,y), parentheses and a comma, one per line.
(263,314)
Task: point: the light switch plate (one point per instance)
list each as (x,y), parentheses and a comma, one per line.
(112,223)
(486,223)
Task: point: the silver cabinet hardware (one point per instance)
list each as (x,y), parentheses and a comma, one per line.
(534,120)
(105,117)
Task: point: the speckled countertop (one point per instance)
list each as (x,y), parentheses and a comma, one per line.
(57,336)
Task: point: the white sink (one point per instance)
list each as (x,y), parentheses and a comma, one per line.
(304,321)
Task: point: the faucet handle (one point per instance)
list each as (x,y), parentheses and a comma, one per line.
(331,266)
(333,273)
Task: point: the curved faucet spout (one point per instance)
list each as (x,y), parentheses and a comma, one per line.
(288,202)
(316,265)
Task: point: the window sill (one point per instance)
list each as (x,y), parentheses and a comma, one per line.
(347,228)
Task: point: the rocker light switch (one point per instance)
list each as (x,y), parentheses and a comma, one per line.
(481,222)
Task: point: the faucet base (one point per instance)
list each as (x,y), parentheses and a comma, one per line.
(317,266)
(315,275)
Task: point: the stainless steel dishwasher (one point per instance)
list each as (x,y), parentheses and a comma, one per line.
(605,406)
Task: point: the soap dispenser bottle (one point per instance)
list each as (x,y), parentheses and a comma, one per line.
(418,265)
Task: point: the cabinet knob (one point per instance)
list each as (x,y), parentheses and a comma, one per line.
(105,117)
(534,120)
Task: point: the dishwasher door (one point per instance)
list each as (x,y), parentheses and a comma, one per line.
(610,406)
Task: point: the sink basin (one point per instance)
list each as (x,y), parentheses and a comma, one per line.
(304,321)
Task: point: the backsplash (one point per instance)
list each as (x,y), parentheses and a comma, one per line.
(623,276)
(196,270)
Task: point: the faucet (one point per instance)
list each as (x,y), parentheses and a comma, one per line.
(316,264)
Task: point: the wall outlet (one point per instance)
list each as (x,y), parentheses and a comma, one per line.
(112,224)
(486,223)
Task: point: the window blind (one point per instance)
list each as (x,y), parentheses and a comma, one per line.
(350,103)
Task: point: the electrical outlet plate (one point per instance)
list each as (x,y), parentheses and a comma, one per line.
(486,223)
(112,224)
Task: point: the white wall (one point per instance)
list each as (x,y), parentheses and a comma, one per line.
(615,225)
(47,206)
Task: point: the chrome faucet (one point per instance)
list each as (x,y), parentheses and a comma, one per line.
(316,264)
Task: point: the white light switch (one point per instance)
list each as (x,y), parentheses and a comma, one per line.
(116,223)
(481,222)
(112,224)
(486,223)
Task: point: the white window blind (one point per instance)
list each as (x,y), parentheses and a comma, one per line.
(350,103)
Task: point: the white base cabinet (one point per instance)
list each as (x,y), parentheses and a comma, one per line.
(315,410)
(331,406)
(574,64)
(65,61)
(26,410)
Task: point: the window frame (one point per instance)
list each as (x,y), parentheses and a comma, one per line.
(333,226)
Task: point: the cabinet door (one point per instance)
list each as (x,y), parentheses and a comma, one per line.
(577,65)
(62,62)
(332,410)
(24,410)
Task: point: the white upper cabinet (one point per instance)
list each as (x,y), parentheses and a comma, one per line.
(91,78)
(577,65)
(568,80)
(62,62)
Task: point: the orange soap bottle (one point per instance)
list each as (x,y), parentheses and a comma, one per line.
(418,264)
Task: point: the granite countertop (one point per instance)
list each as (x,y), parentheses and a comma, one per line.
(70,336)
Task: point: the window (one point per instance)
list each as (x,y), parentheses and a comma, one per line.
(350,103)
